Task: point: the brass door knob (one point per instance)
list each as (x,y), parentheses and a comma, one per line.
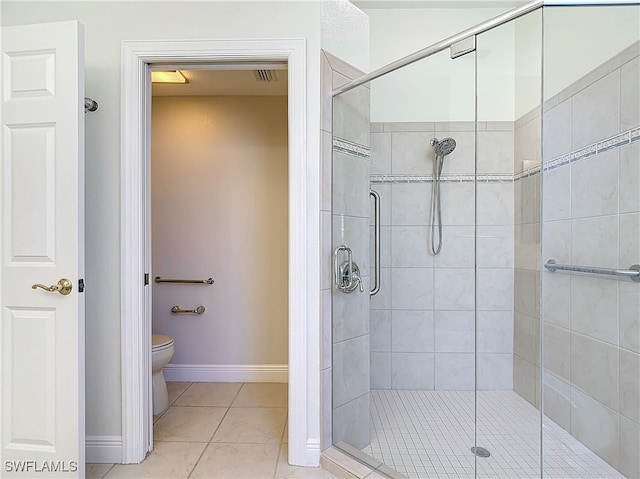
(63,287)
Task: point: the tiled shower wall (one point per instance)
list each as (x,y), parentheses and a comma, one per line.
(526,317)
(591,216)
(423,331)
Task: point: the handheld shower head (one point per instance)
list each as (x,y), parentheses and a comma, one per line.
(441,148)
(444,146)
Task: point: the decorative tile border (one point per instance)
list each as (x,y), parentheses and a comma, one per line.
(351,148)
(557,162)
(395,179)
(616,141)
(527,173)
(585,152)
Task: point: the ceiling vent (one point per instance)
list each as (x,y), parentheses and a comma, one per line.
(265,75)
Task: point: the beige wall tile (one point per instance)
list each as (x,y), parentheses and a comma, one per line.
(596,426)
(351,422)
(594,369)
(629,94)
(629,447)
(594,307)
(524,378)
(630,385)
(595,111)
(557,346)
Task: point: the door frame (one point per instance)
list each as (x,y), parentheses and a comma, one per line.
(137,426)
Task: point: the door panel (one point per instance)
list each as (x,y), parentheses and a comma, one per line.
(31,210)
(42,331)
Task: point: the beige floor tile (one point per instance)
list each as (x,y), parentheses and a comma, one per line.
(285,434)
(285,471)
(252,425)
(97,471)
(252,461)
(262,395)
(209,394)
(173,460)
(190,424)
(175,389)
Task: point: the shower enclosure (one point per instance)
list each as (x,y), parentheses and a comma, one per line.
(514,351)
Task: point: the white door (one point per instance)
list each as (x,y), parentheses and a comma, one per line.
(41,190)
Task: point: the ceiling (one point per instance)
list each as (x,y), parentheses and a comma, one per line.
(223,82)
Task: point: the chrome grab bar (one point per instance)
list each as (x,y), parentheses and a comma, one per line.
(158,279)
(178,310)
(633,272)
(376,241)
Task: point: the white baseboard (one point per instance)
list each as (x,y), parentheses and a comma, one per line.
(103,449)
(229,373)
(313,453)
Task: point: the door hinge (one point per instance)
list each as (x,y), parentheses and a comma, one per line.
(146,279)
(81,285)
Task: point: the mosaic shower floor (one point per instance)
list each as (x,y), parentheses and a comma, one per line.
(428,434)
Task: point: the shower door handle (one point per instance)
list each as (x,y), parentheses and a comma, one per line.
(376,241)
(347,273)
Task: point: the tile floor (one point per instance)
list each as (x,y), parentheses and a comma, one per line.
(427,434)
(217,430)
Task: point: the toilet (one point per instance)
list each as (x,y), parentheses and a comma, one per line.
(161,353)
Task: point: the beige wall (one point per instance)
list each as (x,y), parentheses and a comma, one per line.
(219,208)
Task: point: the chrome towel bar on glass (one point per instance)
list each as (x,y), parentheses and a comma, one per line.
(178,310)
(158,279)
(633,272)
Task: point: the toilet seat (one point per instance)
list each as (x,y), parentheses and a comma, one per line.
(160,341)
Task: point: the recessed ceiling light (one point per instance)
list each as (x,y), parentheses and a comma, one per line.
(173,76)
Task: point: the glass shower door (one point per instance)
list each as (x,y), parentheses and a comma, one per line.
(404,359)
(508,273)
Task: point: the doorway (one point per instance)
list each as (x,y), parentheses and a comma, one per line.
(304,448)
(219,212)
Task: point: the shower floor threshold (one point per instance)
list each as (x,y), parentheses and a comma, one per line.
(346,461)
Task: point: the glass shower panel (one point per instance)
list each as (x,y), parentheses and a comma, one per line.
(350,282)
(419,337)
(508,247)
(590,333)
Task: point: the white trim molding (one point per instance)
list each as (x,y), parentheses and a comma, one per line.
(135,223)
(103,449)
(227,373)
